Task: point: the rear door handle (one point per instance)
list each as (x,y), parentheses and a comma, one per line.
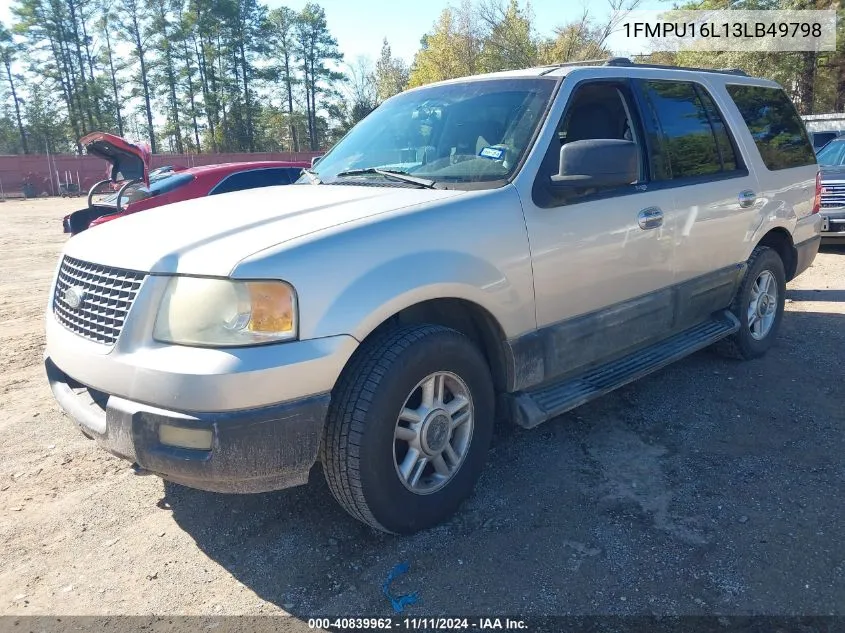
(650,218)
(747,199)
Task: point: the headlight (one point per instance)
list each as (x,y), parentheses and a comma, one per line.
(222,312)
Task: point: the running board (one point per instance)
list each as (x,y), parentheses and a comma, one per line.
(534,407)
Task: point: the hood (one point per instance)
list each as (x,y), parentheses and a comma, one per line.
(128,161)
(209,236)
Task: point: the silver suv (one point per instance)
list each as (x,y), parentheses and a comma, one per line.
(519,242)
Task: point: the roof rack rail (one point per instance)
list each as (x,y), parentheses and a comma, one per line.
(625,61)
(587,62)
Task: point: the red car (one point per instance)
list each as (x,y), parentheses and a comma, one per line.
(132,187)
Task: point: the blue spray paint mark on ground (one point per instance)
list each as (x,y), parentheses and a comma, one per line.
(399,602)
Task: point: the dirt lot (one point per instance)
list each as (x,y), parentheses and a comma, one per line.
(710,487)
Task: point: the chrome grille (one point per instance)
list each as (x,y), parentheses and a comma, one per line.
(833,196)
(108,294)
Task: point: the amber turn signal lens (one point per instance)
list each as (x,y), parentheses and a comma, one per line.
(272,307)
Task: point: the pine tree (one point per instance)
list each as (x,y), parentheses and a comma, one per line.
(8,51)
(135,22)
(391,75)
(315,49)
(283,32)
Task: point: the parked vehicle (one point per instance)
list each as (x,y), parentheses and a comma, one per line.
(128,163)
(132,187)
(832,161)
(522,242)
(166,169)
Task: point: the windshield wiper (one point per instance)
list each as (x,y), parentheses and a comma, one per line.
(312,176)
(389,173)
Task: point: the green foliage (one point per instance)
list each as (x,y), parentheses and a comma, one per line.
(497,35)
(391,75)
(509,40)
(316,48)
(452,49)
(184,75)
(814,81)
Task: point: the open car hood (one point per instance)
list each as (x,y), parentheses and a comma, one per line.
(128,161)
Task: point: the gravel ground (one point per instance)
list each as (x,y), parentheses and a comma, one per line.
(710,487)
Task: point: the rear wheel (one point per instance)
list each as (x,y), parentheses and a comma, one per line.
(759,306)
(408,428)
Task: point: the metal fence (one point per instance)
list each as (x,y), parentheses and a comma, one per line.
(40,174)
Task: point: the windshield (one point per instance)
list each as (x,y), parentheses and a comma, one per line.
(832,154)
(457,133)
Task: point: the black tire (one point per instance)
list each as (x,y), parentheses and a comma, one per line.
(742,345)
(357,451)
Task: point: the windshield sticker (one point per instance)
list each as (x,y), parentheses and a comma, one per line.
(493,153)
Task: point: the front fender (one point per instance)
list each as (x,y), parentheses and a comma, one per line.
(385,290)
(351,278)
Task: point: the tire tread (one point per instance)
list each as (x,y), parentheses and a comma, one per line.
(730,347)
(351,399)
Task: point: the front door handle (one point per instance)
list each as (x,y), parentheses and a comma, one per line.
(747,199)
(650,218)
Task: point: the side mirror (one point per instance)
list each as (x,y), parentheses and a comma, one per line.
(315,160)
(596,163)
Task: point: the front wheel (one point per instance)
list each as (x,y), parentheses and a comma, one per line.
(759,306)
(408,428)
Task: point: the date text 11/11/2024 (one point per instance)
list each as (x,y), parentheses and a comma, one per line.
(725,29)
(418,624)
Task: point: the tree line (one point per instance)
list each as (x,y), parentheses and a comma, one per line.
(193,76)
(186,76)
(494,36)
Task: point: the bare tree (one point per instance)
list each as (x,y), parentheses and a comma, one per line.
(361,89)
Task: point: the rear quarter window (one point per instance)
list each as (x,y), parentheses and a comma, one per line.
(775,126)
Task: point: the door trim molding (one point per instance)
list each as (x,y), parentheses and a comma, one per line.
(571,346)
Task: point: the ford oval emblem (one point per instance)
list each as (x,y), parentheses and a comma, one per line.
(74,297)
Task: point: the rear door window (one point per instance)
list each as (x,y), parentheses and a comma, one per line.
(775,126)
(693,131)
(725,147)
(252,179)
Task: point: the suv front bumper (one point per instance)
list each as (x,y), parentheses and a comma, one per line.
(252,450)
(259,410)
